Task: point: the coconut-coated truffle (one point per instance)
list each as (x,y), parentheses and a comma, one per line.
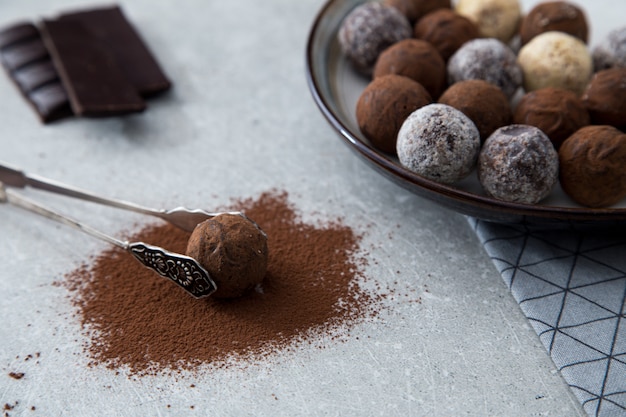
(484,103)
(518,163)
(494,18)
(605,98)
(367,30)
(557,112)
(416,59)
(234,252)
(446,30)
(592,166)
(438,142)
(555,59)
(486,59)
(384,104)
(561,16)
(611,51)
(415,9)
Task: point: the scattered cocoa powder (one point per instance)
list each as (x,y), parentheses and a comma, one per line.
(134,319)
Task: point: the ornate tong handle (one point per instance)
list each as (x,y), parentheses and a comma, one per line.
(182,270)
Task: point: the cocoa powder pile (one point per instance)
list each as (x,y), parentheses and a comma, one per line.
(136,320)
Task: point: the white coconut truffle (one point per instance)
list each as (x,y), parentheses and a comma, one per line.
(494,18)
(518,163)
(438,142)
(556,59)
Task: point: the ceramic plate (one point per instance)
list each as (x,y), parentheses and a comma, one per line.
(336,87)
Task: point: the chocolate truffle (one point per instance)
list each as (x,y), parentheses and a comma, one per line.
(416,59)
(489,60)
(592,166)
(438,142)
(611,51)
(555,59)
(484,103)
(367,30)
(557,112)
(605,98)
(384,104)
(234,252)
(415,9)
(446,30)
(558,16)
(495,18)
(518,163)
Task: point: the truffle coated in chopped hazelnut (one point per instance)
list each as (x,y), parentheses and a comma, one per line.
(518,163)
(592,166)
(234,252)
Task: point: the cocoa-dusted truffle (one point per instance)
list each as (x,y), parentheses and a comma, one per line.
(611,51)
(416,59)
(384,104)
(486,59)
(367,30)
(559,16)
(484,103)
(446,30)
(555,59)
(605,98)
(234,252)
(518,163)
(415,9)
(438,142)
(592,166)
(557,112)
(495,18)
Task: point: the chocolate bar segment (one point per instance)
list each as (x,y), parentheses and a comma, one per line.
(18,32)
(90,74)
(109,25)
(28,64)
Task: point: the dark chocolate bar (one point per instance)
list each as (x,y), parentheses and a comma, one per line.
(95,84)
(28,64)
(109,25)
(16,33)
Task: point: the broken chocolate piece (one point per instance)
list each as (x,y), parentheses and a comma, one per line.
(28,64)
(90,74)
(18,55)
(110,26)
(17,32)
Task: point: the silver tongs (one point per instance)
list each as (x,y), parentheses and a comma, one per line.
(181,269)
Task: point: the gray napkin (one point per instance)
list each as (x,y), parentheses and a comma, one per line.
(572,287)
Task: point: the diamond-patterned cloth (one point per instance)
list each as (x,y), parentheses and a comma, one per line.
(572,287)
